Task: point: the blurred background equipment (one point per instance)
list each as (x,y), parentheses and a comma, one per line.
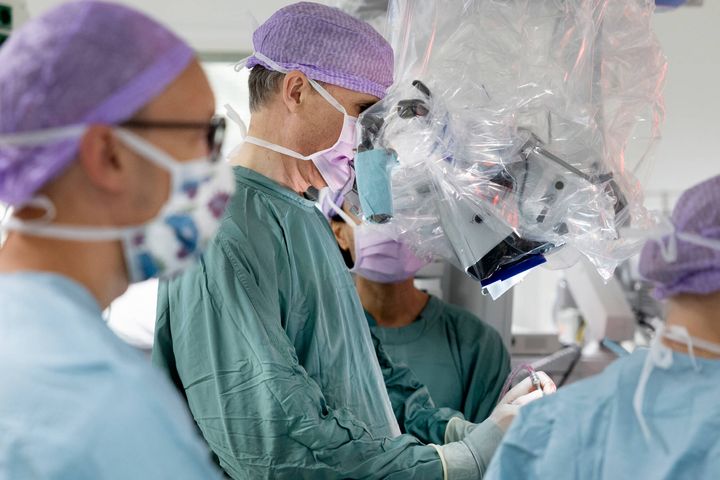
(13,13)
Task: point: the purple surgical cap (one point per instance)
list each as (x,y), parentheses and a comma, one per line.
(81,63)
(697,268)
(327,45)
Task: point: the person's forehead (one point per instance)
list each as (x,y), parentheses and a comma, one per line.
(365,98)
(189,94)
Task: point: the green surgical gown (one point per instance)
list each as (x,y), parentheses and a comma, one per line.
(460,359)
(267,339)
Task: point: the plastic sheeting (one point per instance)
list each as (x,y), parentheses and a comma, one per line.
(520,128)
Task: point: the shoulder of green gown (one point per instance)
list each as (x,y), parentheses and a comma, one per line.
(471,332)
(260,214)
(438,311)
(460,318)
(249,180)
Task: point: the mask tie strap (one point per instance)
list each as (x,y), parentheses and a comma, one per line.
(691,350)
(275,148)
(657,356)
(270,63)
(319,88)
(700,241)
(40,202)
(241,64)
(668,248)
(680,334)
(326,95)
(708,346)
(665,237)
(326,196)
(42,137)
(42,227)
(147,150)
(235,117)
(663,234)
(63,232)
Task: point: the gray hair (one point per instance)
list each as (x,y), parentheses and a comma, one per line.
(263,83)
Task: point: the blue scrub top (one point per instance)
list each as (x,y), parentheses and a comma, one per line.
(78,403)
(589,430)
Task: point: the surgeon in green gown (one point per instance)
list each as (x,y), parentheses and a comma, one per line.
(461,359)
(266,338)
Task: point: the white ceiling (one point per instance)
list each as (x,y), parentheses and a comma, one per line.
(687,153)
(208,25)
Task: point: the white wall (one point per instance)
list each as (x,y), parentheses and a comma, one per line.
(208,25)
(687,153)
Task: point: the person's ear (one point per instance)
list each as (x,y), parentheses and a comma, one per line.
(294,89)
(99,155)
(340,229)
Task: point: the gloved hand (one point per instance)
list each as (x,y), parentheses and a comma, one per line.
(471,446)
(506,409)
(522,394)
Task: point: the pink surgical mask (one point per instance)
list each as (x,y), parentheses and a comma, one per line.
(379,256)
(334,163)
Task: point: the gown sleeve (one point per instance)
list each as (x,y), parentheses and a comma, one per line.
(486,365)
(414,408)
(261,413)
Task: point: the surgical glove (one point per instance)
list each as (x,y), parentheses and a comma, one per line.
(457,428)
(469,458)
(522,394)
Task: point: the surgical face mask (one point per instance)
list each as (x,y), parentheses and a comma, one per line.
(378,256)
(335,164)
(373,169)
(166,245)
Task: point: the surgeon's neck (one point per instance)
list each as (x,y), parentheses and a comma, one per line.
(700,314)
(392,305)
(296,175)
(98,266)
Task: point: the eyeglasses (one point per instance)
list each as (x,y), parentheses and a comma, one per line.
(215,131)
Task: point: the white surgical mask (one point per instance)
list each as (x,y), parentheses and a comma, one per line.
(169,243)
(334,163)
